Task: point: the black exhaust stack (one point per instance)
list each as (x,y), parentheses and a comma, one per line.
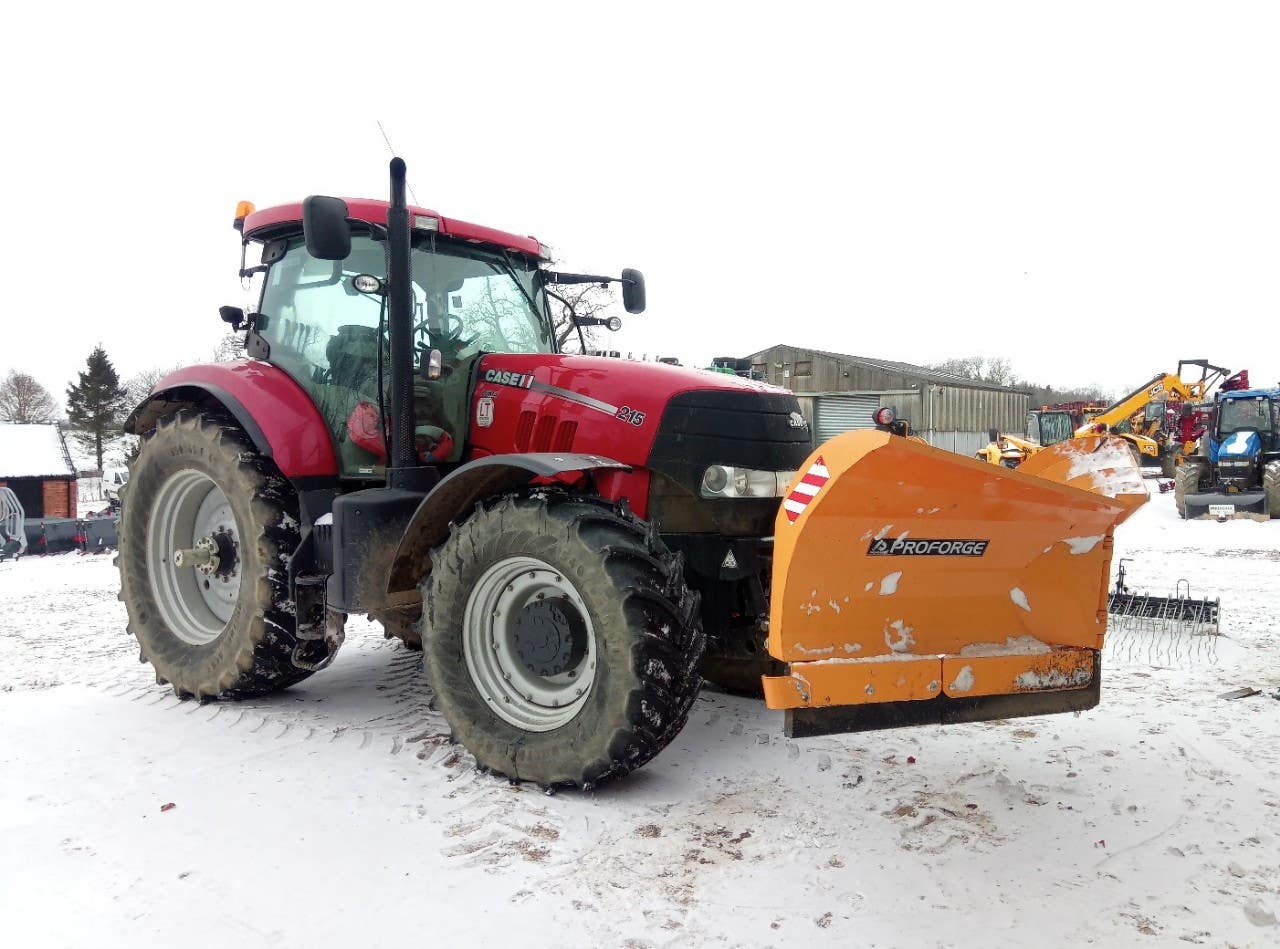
(403,468)
(400,323)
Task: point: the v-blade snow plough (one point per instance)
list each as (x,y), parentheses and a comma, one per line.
(913,585)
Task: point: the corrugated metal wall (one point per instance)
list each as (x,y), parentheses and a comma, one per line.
(953,416)
(975,410)
(962,443)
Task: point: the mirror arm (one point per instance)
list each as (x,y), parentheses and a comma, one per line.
(552,276)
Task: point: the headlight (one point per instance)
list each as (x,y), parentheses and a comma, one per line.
(725,481)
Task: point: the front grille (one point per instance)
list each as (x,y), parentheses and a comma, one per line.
(743,428)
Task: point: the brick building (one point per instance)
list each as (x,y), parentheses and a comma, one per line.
(34,462)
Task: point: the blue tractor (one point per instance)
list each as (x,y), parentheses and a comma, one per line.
(1237,469)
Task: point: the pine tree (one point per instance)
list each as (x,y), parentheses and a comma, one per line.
(95,406)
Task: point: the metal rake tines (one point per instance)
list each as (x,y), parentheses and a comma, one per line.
(1164,609)
(1161,630)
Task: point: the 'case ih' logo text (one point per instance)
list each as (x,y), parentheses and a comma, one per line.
(504,377)
(927,548)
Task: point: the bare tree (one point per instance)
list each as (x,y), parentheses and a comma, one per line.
(994,369)
(139,385)
(966,367)
(999,371)
(22,399)
(230,347)
(587,300)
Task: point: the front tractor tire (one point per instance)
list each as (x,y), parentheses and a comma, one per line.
(1271,487)
(1186,481)
(560,639)
(205,541)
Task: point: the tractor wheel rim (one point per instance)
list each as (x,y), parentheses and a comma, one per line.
(529,644)
(195,606)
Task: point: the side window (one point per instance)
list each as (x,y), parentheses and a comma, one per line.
(321,329)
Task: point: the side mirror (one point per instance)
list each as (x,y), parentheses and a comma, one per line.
(233,315)
(325,227)
(632,290)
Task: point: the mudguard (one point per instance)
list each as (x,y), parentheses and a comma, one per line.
(458,492)
(274,411)
(940,588)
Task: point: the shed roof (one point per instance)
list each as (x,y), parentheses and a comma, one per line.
(33,451)
(939,376)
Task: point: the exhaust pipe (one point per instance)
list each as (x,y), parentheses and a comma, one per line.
(400,324)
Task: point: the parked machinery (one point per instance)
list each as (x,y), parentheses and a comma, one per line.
(1236,469)
(1143,418)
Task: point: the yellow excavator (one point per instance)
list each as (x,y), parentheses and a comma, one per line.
(1140,418)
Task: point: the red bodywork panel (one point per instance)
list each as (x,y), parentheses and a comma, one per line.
(586,404)
(264,223)
(291,424)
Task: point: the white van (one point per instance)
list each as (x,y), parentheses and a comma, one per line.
(113,479)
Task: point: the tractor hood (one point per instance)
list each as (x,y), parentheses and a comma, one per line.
(1243,444)
(668,418)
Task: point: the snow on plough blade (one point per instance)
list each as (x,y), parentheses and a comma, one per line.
(913,585)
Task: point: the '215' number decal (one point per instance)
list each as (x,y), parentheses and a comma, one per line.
(630,415)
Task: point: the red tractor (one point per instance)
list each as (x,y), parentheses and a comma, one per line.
(515,494)
(566,536)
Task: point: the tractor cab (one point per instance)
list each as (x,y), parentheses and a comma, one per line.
(1046,428)
(324,322)
(1247,424)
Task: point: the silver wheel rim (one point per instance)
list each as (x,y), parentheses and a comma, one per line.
(501,605)
(195,607)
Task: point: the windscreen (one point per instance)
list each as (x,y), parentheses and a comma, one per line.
(1239,415)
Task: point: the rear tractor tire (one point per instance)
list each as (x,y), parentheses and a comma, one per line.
(1271,487)
(205,541)
(1186,481)
(560,639)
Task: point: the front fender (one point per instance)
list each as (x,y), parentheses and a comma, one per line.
(457,493)
(274,411)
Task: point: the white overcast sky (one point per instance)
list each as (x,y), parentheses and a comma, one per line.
(1091,190)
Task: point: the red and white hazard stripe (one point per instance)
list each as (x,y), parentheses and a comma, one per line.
(806,490)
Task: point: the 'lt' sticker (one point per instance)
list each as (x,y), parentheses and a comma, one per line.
(484,412)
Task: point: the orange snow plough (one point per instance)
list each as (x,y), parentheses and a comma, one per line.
(912,585)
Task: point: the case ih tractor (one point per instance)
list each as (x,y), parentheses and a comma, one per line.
(574,541)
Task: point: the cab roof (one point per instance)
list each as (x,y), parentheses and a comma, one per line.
(270,223)
(1249,394)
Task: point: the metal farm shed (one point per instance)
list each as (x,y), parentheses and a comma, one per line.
(839,392)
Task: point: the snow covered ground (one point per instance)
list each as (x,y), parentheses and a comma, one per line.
(338,815)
